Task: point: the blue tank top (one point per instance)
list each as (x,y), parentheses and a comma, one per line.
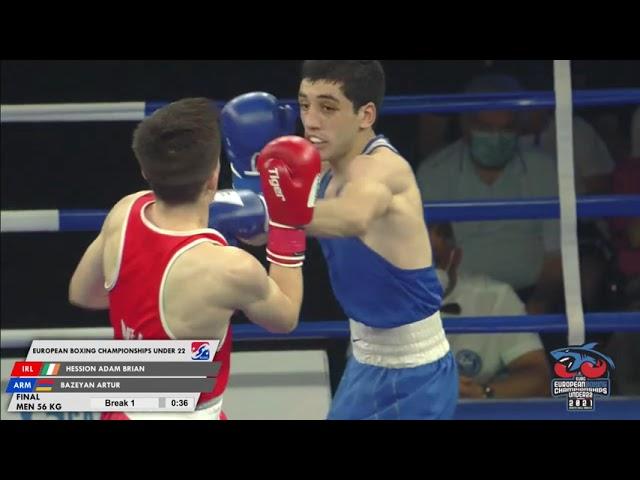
(369,288)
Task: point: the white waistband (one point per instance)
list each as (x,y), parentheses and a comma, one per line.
(410,345)
(210,410)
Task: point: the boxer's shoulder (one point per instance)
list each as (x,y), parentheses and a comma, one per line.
(119,212)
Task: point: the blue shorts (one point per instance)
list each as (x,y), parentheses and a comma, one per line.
(368,392)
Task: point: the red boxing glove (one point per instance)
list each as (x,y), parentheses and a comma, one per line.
(289,173)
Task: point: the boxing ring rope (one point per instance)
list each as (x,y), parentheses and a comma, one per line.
(604,206)
(79,220)
(321,330)
(396,105)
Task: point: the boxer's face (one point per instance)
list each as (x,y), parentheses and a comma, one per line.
(328,118)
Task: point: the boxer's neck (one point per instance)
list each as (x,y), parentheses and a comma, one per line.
(341,165)
(191,216)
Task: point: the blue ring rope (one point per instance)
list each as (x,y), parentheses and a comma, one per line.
(594,322)
(450,103)
(74,220)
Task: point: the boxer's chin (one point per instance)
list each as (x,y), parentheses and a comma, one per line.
(256,241)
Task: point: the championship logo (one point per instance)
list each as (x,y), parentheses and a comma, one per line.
(580,373)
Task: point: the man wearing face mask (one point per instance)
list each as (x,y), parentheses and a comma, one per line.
(500,365)
(489,164)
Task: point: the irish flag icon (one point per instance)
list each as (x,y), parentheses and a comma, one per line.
(50,369)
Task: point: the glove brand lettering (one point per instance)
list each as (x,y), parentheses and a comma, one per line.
(275,183)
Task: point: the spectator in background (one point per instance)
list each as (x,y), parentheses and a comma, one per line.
(488,164)
(500,365)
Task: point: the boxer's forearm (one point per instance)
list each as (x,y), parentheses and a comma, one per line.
(532,381)
(289,281)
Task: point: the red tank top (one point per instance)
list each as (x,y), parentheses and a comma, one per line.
(146,253)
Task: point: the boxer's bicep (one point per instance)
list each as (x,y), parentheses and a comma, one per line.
(351,212)
(371,197)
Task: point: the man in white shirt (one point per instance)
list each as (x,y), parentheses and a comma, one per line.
(500,365)
(488,164)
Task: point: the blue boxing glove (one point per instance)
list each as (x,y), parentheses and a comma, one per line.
(248,123)
(238,214)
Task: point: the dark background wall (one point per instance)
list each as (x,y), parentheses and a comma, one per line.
(90,165)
